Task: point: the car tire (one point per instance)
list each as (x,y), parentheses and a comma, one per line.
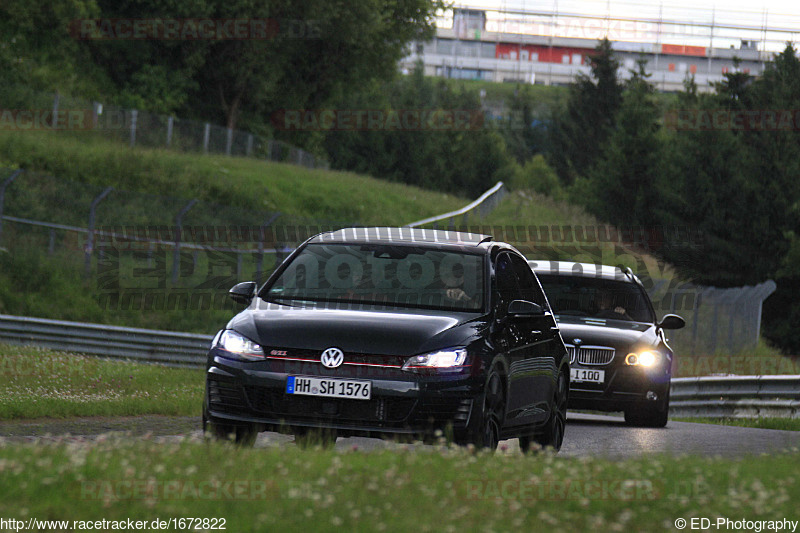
(553,436)
(311,437)
(243,435)
(651,415)
(485,432)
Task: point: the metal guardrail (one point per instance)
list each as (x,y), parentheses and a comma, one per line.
(736,396)
(708,396)
(485,203)
(144,345)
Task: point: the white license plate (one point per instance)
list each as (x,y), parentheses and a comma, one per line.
(329,388)
(587,375)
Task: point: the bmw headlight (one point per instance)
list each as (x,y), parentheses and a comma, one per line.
(646,358)
(446,360)
(239,346)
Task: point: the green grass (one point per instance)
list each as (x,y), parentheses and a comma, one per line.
(785,424)
(762,360)
(151,186)
(443,489)
(43,383)
(243,183)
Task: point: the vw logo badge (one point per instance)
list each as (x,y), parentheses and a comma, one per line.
(332,357)
(577,341)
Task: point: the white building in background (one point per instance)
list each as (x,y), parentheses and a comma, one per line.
(551,49)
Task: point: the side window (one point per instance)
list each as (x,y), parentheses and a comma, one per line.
(506,279)
(529,285)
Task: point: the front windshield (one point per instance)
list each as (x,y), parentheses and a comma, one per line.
(596,298)
(379,274)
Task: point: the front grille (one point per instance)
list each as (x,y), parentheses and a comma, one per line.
(571,351)
(594,355)
(226,396)
(277,403)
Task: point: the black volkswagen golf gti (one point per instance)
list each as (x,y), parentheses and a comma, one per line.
(392,332)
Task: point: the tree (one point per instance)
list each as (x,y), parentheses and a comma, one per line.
(625,179)
(464,158)
(580,132)
(319,49)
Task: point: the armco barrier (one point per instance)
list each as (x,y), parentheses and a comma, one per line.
(151,346)
(708,396)
(736,396)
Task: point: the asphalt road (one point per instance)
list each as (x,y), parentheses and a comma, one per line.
(586,435)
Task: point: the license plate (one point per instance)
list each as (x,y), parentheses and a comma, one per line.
(329,388)
(587,375)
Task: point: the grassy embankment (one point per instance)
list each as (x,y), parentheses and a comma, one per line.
(151,186)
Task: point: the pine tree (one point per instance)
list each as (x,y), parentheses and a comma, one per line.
(579,133)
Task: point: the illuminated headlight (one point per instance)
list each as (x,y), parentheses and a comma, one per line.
(239,346)
(647,359)
(447,360)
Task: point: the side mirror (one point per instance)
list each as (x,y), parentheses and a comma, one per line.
(243,293)
(524,308)
(671,322)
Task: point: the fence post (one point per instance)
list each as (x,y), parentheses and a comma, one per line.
(51,243)
(229,142)
(169,131)
(5,184)
(249,150)
(97,108)
(56,100)
(262,234)
(206,135)
(90,233)
(134,117)
(176,254)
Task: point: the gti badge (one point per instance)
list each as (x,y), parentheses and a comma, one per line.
(332,357)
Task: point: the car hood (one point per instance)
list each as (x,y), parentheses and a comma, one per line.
(384,332)
(615,333)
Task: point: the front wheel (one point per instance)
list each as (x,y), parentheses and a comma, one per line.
(650,415)
(243,435)
(486,433)
(553,436)
(311,437)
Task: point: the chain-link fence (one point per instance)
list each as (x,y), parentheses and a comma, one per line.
(175,235)
(130,241)
(717,320)
(141,128)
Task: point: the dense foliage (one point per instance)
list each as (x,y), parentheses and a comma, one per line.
(722,166)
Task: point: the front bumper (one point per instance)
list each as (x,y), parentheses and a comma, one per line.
(624,387)
(400,404)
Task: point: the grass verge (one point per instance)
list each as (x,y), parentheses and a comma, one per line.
(438,490)
(43,383)
(786,424)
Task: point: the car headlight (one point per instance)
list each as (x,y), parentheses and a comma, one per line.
(446,360)
(645,358)
(240,346)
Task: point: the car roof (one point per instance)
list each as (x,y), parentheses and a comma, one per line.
(586,270)
(401,235)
